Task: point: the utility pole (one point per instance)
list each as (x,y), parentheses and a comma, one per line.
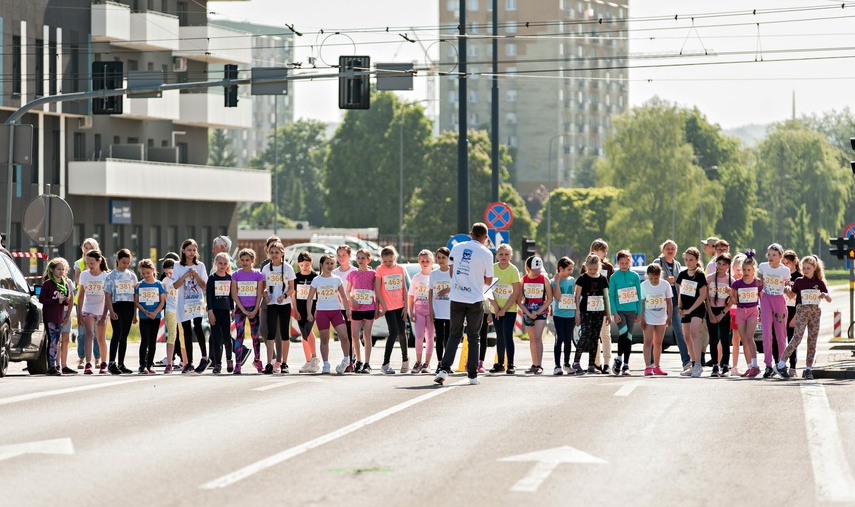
(462,137)
(494,130)
(275,166)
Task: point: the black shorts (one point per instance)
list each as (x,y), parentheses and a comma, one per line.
(700,312)
(362,315)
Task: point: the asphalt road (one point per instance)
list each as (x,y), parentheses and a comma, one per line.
(364,440)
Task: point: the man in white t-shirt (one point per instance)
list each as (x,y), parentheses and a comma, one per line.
(471,273)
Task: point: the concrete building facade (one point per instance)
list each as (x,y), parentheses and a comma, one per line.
(561,79)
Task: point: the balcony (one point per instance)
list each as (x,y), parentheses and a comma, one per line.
(154,180)
(164,108)
(152,31)
(207,110)
(111,21)
(215,44)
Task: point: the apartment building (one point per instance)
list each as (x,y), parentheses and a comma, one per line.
(562,76)
(139,179)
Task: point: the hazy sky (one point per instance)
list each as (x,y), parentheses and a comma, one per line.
(731,94)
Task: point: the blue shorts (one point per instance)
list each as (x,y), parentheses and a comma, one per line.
(533,308)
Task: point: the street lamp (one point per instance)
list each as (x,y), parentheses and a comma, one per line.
(701,197)
(549,198)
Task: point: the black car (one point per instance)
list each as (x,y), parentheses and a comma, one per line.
(22,336)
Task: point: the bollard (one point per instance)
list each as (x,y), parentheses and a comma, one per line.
(837,325)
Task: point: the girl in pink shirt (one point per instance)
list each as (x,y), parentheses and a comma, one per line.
(390,286)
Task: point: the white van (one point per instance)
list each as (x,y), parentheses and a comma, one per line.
(353,242)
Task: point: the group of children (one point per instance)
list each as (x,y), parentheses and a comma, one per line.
(731,298)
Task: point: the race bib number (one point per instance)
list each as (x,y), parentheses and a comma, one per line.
(124,288)
(94,288)
(247,289)
(222,287)
(172,293)
(503,291)
(422,292)
(149,296)
(627,295)
(393,282)
(274,279)
(327,294)
(773,285)
(567,302)
(439,287)
(194,308)
(303,291)
(689,288)
(363,296)
(655,302)
(747,295)
(721,292)
(596,304)
(810,297)
(533,290)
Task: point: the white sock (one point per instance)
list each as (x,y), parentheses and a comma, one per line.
(346,359)
(781,365)
(754,363)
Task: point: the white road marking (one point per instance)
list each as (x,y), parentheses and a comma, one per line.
(831,472)
(277,384)
(254,468)
(545,462)
(58,446)
(68,390)
(628,388)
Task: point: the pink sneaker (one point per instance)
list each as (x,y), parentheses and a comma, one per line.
(752,372)
(258,365)
(481,367)
(648,371)
(658,371)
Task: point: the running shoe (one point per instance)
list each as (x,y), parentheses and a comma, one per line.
(416,367)
(316,364)
(88,370)
(387,369)
(306,368)
(260,366)
(616,367)
(357,366)
(342,367)
(366,369)
(68,371)
(474,381)
(53,372)
(625,370)
(268,370)
(188,369)
(124,369)
(725,371)
(648,372)
(768,373)
(752,372)
(781,371)
(807,374)
(715,371)
(425,368)
(80,364)
(687,366)
(531,369)
(481,367)
(593,369)
(511,370)
(284,370)
(697,370)
(141,370)
(237,370)
(687,373)
(440,377)
(349,367)
(113,369)
(217,369)
(557,371)
(103,370)
(203,365)
(578,369)
(568,370)
(405,366)
(151,371)
(659,372)
(497,368)
(244,351)
(326,369)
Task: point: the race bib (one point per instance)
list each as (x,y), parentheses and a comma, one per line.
(222,287)
(567,302)
(327,293)
(655,302)
(124,288)
(503,291)
(303,291)
(94,288)
(791,302)
(810,296)
(721,292)
(604,273)
(422,292)
(149,296)
(363,296)
(439,287)
(393,282)
(747,295)
(247,289)
(194,308)
(274,279)
(596,304)
(627,295)
(773,285)
(533,290)
(689,288)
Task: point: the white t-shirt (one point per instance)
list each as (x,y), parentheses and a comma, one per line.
(93,287)
(440,280)
(327,289)
(774,279)
(711,268)
(277,279)
(471,263)
(419,289)
(190,300)
(656,299)
(343,277)
(171,294)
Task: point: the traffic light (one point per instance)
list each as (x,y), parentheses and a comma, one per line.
(837,247)
(354,92)
(107,76)
(231,97)
(850,247)
(529,247)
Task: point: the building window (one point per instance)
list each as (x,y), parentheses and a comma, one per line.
(512,141)
(172,239)
(510,49)
(452,95)
(511,96)
(473,96)
(451,5)
(473,28)
(182,14)
(472,5)
(52,57)
(40,67)
(510,5)
(511,28)
(16,64)
(511,118)
(79,146)
(472,50)
(473,119)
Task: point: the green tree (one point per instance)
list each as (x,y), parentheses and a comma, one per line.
(220,152)
(260,216)
(363,165)
(579,216)
(432,211)
(585,174)
(301,148)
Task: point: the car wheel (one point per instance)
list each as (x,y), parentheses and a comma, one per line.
(5,344)
(40,365)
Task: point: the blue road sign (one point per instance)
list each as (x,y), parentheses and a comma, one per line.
(639,260)
(457,238)
(497,238)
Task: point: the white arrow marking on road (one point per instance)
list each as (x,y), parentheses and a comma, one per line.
(831,472)
(58,446)
(545,462)
(628,388)
(283,383)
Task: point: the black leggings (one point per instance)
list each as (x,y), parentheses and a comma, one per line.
(221,335)
(349,333)
(624,344)
(591,324)
(720,333)
(442,327)
(121,329)
(148,341)
(397,329)
(196,326)
(563,338)
(282,314)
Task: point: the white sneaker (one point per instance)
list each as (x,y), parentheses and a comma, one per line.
(474,381)
(686,373)
(405,366)
(307,368)
(567,369)
(326,370)
(697,370)
(339,369)
(440,377)
(558,371)
(315,364)
(387,369)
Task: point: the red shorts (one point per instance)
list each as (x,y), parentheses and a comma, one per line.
(733,318)
(327,318)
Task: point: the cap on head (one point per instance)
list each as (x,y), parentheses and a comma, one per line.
(711,241)
(536,263)
(170,255)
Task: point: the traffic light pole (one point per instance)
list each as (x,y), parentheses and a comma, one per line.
(851,331)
